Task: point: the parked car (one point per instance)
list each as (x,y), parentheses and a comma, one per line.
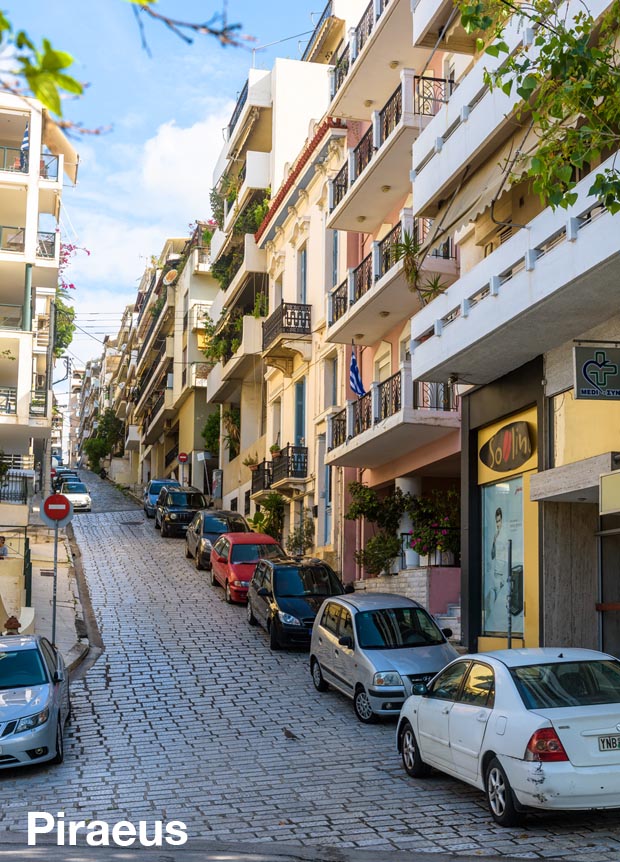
(234,558)
(176,507)
(151,493)
(285,595)
(533,728)
(374,647)
(35,701)
(62,476)
(206,528)
(78,494)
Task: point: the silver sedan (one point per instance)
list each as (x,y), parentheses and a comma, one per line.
(34,701)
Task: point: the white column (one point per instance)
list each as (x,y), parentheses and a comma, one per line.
(413,486)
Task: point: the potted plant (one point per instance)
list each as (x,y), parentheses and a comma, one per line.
(275,450)
(436,524)
(251,461)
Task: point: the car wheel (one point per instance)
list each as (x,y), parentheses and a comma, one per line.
(410,753)
(274,643)
(227,594)
(250,614)
(499,796)
(317,676)
(188,553)
(197,561)
(213,579)
(363,706)
(164,529)
(60,748)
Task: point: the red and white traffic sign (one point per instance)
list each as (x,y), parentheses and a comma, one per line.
(182,457)
(57,510)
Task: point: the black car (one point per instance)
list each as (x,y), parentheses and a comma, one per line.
(176,507)
(63,475)
(285,595)
(206,528)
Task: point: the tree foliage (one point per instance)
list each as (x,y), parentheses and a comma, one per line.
(65,327)
(567,76)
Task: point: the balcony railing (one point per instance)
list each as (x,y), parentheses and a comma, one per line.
(292,464)
(339,428)
(48,168)
(46,244)
(364,27)
(362,278)
(341,69)
(243,97)
(389,116)
(38,402)
(390,396)
(387,249)
(362,413)
(12,238)
(155,408)
(17,462)
(326,13)
(434,396)
(290,318)
(261,478)
(430,94)
(340,301)
(171,455)
(14,489)
(12,159)
(363,152)
(341,184)
(8,399)
(10,316)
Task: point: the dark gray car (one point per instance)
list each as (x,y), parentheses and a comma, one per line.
(206,528)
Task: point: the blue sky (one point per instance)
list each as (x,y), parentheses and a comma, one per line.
(149,177)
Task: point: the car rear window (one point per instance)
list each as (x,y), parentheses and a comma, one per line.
(192,501)
(75,488)
(297,581)
(222,524)
(21,668)
(255,552)
(583,683)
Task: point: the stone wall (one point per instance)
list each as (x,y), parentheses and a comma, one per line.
(434,587)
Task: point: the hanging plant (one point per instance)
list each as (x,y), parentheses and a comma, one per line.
(436,522)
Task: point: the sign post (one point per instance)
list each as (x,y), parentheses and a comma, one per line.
(57,512)
(182,459)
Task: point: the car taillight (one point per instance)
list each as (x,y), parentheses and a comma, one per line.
(545,746)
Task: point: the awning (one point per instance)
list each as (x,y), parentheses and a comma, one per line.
(55,139)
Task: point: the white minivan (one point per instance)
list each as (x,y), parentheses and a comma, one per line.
(374,647)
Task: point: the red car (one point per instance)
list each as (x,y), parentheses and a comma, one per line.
(234,558)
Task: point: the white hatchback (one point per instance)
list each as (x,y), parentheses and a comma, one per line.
(78,495)
(534,728)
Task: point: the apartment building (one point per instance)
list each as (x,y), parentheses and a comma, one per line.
(34,158)
(76,385)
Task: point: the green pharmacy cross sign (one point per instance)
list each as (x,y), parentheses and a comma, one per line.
(597,373)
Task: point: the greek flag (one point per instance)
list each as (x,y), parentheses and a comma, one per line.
(355,380)
(23,152)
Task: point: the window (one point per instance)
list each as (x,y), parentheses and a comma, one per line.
(50,659)
(302,287)
(331,616)
(395,628)
(255,552)
(448,683)
(479,688)
(234,504)
(246,503)
(346,624)
(583,683)
(21,669)
(335,244)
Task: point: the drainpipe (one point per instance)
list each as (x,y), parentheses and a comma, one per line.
(27,307)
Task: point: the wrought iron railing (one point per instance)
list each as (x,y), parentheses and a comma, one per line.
(341,184)
(290,318)
(434,396)
(12,238)
(292,464)
(390,400)
(38,402)
(387,249)
(8,399)
(341,69)
(362,414)
(446,250)
(362,278)
(48,167)
(429,94)
(155,408)
(261,477)
(46,244)
(390,114)
(243,97)
(326,13)
(171,455)
(339,428)
(340,301)
(364,27)
(363,152)
(14,489)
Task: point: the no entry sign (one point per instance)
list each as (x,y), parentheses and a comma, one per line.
(56,510)
(182,457)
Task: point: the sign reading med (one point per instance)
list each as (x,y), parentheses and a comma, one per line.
(597,373)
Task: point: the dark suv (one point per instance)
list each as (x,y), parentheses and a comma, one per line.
(285,595)
(176,507)
(205,530)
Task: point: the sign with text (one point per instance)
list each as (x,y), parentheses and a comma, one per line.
(597,373)
(508,449)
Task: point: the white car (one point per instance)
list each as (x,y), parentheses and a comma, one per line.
(533,728)
(78,495)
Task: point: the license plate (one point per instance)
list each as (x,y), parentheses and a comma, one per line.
(609,743)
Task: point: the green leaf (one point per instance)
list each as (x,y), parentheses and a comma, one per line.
(44,89)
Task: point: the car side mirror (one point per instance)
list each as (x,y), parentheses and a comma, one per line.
(447,632)
(59,676)
(419,688)
(263,592)
(349,588)
(346,641)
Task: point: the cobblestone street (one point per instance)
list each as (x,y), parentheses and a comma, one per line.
(183,717)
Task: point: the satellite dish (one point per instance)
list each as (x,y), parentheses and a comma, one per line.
(170,276)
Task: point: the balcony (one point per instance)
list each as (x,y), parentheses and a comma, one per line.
(290,469)
(160,410)
(434,20)
(132,438)
(8,400)
(249,262)
(377,178)
(198,375)
(254,176)
(46,245)
(10,316)
(197,315)
(364,70)
(261,479)
(17,462)
(256,93)
(543,287)
(375,296)
(49,167)
(226,376)
(394,418)
(12,239)
(13,160)
(286,332)
(38,403)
